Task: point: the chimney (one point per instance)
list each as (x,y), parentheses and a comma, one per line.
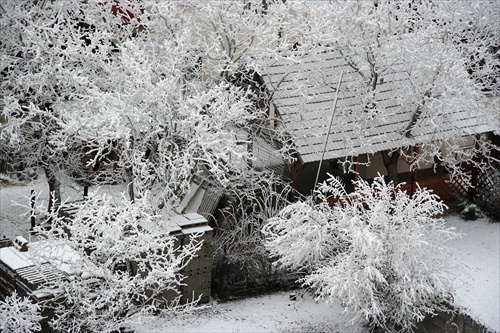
(21,244)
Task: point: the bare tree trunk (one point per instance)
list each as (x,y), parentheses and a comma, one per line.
(391,165)
(54,189)
(130,184)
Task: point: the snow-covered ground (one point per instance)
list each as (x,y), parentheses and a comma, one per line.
(267,313)
(476,255)
(15,198)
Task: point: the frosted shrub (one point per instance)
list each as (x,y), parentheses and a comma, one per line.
(19,315)
(376,250)
(470,212)
(118,263)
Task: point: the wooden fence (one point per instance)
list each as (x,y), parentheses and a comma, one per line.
(449,189)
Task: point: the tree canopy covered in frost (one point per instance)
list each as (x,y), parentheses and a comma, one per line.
(430,63)
(375,250)
(149,88)
(150,85)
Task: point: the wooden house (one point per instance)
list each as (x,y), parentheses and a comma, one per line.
(325,127)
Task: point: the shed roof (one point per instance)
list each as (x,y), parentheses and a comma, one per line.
(304,93)
(14,259)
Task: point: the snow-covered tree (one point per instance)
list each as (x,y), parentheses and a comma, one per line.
(111,263)
(430,59)
(19,315)
(46,58)
(141,79)
(151,83)
(375,250)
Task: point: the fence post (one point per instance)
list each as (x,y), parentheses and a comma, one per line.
(414,173)
(32,218)
(475,169)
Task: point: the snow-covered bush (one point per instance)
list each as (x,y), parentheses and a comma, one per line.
(117,261)
(239,250)
(470,212)
(375,249)
(19,315)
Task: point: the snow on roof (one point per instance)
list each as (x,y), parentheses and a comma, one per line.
(199,200)
(52,258)
(195,218)
(192,200)
(160,227)
(188,220)
(304,93)
(14,259)
(195,230)
(59,254)
(175,224)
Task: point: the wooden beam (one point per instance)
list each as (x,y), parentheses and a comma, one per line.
(356,171)
(295,173)
(414,174)
(475,169)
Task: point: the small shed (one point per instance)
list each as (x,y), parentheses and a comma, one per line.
(18,272)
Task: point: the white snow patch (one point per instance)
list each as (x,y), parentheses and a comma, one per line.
(14,259)
(267,313)
(477,254)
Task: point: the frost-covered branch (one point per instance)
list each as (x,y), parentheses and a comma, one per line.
(248,205)
(115,262)
(375,250)
(19,315)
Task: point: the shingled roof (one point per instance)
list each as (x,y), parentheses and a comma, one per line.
(304,92)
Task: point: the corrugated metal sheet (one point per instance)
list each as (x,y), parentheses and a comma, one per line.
(304,94)
(34,276)
(209,204)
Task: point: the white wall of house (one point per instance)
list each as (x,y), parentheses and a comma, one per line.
(376,164)
(468,142)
